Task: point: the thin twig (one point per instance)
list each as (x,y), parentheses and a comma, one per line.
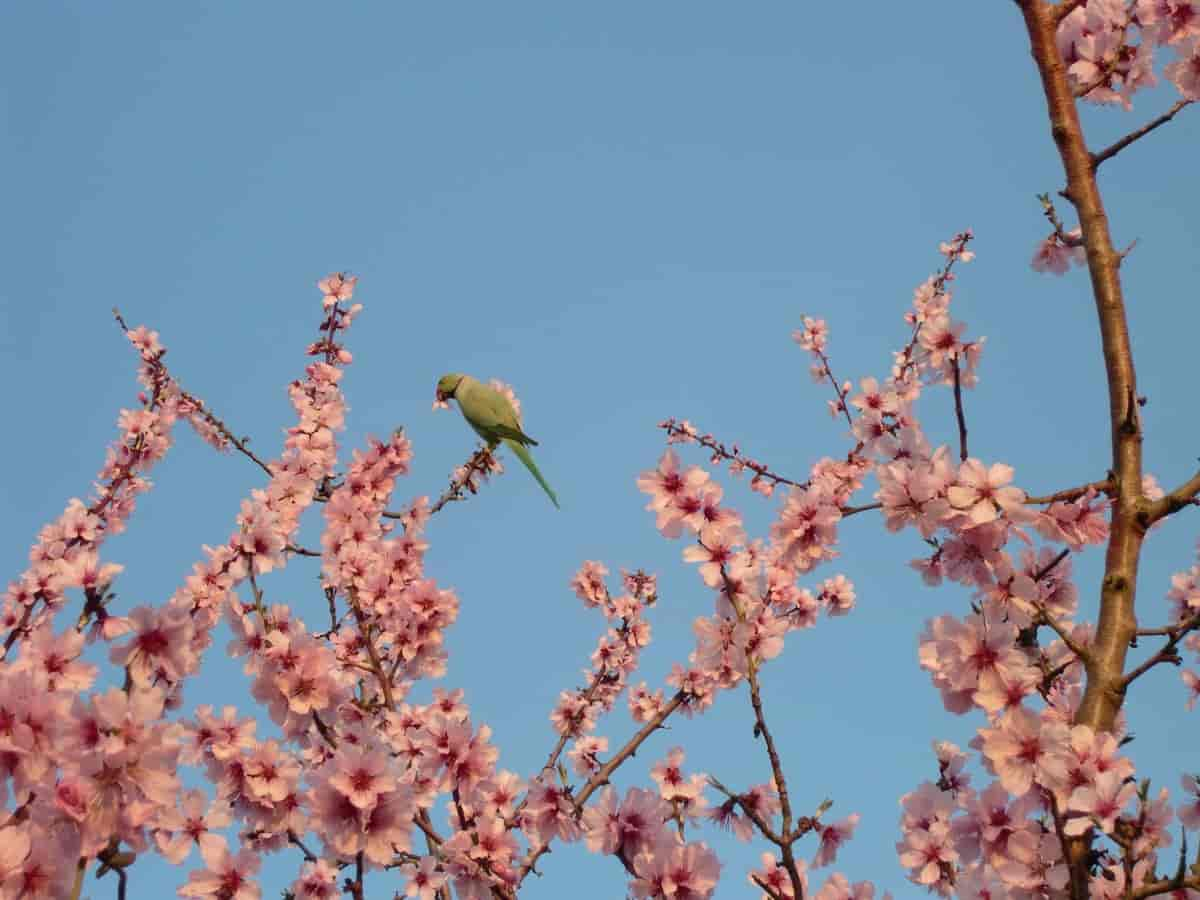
(837,388)
(1100,487)
(602,775)
(364,628)
(958,413)
(751,813)
(1184,495)
(1113,149)
(294,838)
(681,434)
(1167,653)
(855,510)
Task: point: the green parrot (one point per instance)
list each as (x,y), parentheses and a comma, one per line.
(492,416)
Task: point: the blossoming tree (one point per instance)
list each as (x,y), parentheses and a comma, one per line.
(358,778)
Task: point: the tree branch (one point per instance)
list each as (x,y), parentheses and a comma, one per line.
(1168,652)
(1100,487)
(958,413)
(1113,149)
(600,778)
(1117,623)
(364,628)
(1184,495)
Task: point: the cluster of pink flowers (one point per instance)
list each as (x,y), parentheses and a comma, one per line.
(359,768)
(1109,45)
(90,774)
(67,553)
(354,767)
(1052,781)
(1184,597)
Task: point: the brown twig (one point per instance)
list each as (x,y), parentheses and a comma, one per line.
(480,463)
(294,838)
(1164,886)
(855,510)
(720,451)
(602,775)
(1065,8)
(1100,487)
(958,413)
(77,885)
(837,388)
(1184,495)
(1052,565)
(1113,149)
(760,823)
(364,628)
(1168,652)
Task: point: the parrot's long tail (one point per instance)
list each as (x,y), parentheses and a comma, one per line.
(523,456)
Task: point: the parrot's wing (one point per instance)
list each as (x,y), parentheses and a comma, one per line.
(523,455)
(490,413)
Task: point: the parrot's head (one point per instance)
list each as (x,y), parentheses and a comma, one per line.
(446,387)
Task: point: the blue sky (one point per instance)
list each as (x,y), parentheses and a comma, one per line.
(623,210)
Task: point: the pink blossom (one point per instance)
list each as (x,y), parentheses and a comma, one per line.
(1078,522)
(838,887)
(499,793)
(222,737)
(1099,803)
(680,872)
(319,881)
(585,754)
(1024,750)
(670,491)
(715,547)
(1168,21)
(881,401)
(980,492)
(387,826)
(912,493)
(928,853)
(601,823)
(837,595)
(774,878)
(14,848)
(806,527)
(644,705)
(1184,72)
(942,340)
(336,287)
(1189,812)
(1034,861)
(424,879)
(161,646)
(832,838)
(54,661)
(813,336)
(362,775)
(187,824)
(226,877)
(1192,681)
(588,584)
(674,787)
(1055,257)
(549,813)
(761,799)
